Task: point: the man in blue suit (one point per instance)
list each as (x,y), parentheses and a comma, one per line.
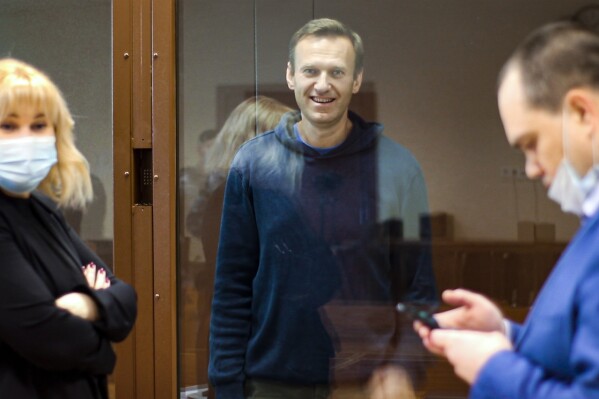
(549,105)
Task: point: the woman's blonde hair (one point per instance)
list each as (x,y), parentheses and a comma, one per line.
(22,85)
(252,116)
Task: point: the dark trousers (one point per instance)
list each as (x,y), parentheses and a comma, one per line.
(264,389)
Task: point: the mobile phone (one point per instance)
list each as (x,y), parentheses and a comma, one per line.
(414,313)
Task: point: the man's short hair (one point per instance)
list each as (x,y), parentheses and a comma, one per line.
(553,60)
(328,27)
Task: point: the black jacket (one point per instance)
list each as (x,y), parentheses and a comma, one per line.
(45,352)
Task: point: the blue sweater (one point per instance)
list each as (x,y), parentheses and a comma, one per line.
(304,235)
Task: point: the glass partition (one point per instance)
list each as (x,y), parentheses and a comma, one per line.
(429,79)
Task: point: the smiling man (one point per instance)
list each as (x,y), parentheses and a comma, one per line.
(310,261)
(324,81)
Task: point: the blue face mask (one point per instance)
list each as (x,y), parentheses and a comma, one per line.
(25,162)
(568,189)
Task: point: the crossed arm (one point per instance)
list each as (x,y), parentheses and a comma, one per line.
(73,332)
(80,304)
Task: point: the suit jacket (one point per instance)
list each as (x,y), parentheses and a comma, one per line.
(45,352)
(557,349)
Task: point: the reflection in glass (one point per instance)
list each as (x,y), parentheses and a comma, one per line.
(310,265)
(429,79)
(317,240)
(251,117)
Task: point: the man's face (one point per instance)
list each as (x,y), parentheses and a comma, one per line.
(323,79)
(537,133)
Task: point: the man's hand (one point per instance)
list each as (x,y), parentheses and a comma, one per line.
(467,351)
(473,312)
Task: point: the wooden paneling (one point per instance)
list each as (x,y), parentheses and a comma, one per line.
(144,282)
(141,61)
(144,238)
(124,374)
(164,197)
(511,273)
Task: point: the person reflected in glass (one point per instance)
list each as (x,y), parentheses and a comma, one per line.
(549,104)
(251,117)
(61,308)
(192,180)
(310,265)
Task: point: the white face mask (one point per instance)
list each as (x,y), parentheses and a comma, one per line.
(567,188)
(25,162)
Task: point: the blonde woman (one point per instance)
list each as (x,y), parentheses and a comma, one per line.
(251,117)
(60,306)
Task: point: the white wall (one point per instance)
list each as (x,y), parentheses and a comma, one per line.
(434,64)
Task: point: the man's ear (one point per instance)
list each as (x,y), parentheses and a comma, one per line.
(357,82)
(289,77)
(583,105)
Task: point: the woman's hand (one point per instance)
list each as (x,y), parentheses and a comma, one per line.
(79,304)
(96,278)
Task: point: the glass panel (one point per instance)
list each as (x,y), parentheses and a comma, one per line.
(71,41)
(429,79)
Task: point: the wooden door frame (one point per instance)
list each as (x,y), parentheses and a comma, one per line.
(144,117)
(164,113)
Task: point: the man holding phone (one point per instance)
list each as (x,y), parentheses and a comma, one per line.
(549,104)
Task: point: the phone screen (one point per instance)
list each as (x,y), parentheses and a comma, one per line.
(414,313)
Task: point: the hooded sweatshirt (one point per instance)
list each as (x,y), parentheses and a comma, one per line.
(306,237)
